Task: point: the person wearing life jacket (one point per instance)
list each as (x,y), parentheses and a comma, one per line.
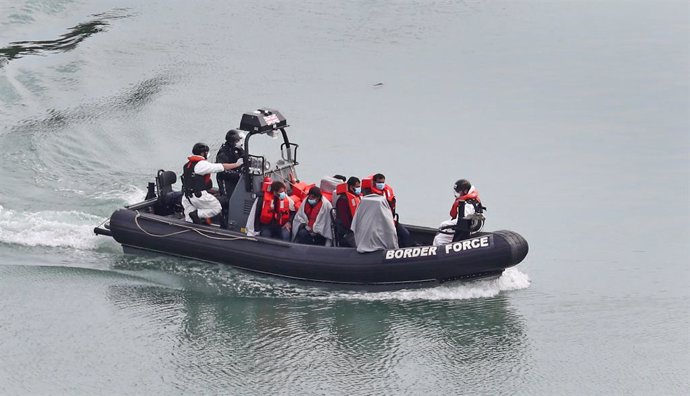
(380,187)
(230,152)
(197,202)
(466,215)
(273,213)
(312,223)
(347,200)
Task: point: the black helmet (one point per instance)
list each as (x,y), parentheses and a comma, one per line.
(233,136)
(462,185)
(199,149)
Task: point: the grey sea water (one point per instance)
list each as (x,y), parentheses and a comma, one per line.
(572,119)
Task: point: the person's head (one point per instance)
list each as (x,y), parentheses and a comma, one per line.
(462,187)
(200,149)
(233,137)
(379,181)
(278,189)
(340,177)
(314,195)
(354,185)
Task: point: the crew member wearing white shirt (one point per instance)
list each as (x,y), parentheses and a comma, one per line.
(197,202)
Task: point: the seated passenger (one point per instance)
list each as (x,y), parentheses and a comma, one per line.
(271,215)
(468,204)
(380,187)
(373,225)
(346,202)
(312,223)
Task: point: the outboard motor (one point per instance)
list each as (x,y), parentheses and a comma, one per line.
(150,191)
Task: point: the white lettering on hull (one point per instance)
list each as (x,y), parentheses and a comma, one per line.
(451,248)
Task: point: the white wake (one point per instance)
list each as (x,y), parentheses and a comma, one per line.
(72,229)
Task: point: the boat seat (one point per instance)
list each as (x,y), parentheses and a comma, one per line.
(169,201)
(164,181)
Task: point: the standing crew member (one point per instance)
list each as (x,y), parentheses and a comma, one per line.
(197,202)
(230,152)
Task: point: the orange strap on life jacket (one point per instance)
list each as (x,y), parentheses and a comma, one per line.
(353,202)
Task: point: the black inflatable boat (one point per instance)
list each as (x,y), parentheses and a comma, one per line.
(157,225)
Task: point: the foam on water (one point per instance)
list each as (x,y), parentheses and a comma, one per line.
(511,279)
(128,194)
(72,229)
(246,284)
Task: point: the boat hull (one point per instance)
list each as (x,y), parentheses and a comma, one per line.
(486,254)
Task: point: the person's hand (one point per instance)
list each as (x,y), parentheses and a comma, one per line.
(308,228)
(287,226)
(240,162)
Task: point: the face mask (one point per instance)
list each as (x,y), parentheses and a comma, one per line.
(358,190)
(380,186)
(312,201)
(282,195)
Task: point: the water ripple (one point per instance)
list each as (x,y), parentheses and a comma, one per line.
(65,42)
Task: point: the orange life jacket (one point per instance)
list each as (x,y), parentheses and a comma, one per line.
(472,198)
(312,213)
(352,199)
(269,214)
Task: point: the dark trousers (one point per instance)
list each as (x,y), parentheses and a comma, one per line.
(309,238)
(348,240)
(275,231)
(404,237)
(227,181)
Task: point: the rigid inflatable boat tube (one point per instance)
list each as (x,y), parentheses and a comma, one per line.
(485,253)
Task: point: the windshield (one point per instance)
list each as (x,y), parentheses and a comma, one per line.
(270,156)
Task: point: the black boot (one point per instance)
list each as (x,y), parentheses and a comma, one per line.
(195,217)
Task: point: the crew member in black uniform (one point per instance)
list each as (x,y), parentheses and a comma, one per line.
(230,152)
